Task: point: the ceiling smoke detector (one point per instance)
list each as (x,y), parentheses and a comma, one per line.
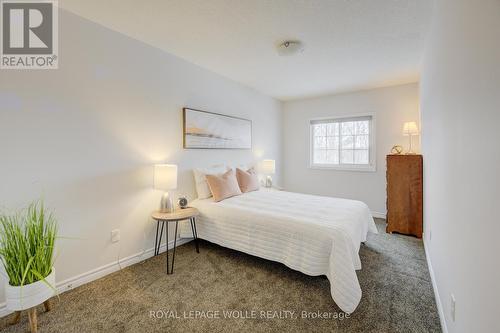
(290,47)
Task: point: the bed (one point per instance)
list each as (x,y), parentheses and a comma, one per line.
(312,234)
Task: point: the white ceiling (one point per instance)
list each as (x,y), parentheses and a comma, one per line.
(349,44)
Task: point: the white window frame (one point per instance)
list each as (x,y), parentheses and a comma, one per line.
(372,153)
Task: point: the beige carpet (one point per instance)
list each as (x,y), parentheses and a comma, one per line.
(397,295)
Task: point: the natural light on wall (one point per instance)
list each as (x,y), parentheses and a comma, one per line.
(343,143)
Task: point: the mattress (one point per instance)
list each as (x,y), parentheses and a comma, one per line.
(312,234)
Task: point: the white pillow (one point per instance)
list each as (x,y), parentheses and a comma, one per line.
(201,181)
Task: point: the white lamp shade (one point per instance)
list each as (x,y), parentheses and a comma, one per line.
(268,167)
(165,177)
(410,128)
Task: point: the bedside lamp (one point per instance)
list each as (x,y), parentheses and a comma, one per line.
(410,129)
(165,178)
(269,168)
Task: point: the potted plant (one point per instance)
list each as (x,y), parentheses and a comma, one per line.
(27,254)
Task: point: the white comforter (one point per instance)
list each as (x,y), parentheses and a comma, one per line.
(312,234)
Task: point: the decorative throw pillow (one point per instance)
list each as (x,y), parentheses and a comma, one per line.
(247,180)
(201,181)
(223,186)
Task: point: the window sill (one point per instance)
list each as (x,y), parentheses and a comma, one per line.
(370,168)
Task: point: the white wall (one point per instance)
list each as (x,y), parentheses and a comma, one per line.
(460,105)
(85,137)
(391,106)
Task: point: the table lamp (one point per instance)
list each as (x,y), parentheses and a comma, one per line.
(269,168)
(165,179)
(410,129)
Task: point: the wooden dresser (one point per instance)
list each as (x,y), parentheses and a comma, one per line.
(404,194)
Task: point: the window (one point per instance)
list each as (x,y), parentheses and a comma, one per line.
(343,143)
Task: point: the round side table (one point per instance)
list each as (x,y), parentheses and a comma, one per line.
(188,213)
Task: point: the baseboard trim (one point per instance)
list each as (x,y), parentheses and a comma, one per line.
(379,215)
(97,273)
(436,291)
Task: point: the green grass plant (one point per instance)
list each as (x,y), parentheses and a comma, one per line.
(27,242)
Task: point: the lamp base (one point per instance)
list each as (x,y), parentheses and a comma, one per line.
(269,181)
(166,205)
(410,150)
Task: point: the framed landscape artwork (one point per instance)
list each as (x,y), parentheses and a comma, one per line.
(207,130)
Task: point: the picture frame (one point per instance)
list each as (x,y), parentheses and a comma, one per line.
(210,130)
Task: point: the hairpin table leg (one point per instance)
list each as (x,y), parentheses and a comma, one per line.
(195,235)
(175,246)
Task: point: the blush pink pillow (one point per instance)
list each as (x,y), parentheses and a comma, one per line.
(247,180)
(223,186)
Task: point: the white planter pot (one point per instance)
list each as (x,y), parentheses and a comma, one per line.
(30,295)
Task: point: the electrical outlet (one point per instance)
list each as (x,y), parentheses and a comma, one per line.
(115,235)
(452,307)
